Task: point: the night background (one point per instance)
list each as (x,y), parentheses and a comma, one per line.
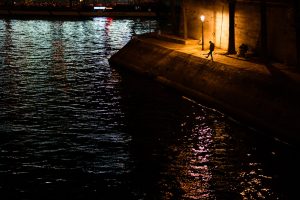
(117,99)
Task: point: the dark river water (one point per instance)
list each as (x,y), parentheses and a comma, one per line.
(73,127)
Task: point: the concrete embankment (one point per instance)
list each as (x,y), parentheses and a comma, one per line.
(74,13)
(267,102)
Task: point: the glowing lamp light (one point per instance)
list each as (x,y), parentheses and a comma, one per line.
(202,17)
(99,8)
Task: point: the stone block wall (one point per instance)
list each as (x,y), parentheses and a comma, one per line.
(280,30)
(282,34)
(247,26)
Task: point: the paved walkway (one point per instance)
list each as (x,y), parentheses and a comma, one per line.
(251,64)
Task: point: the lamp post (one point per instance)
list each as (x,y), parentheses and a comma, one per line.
(202,17)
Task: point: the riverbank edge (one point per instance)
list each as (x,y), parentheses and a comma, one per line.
(75,13)
(253,98)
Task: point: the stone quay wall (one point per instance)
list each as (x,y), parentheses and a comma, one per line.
(255,98)
(49,13)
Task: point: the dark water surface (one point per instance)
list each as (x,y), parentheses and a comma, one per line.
(73,127)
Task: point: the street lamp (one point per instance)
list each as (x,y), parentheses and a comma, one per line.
(202,17)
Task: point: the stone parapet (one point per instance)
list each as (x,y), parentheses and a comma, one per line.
(267,102)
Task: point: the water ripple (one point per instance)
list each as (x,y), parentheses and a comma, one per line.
(74,127)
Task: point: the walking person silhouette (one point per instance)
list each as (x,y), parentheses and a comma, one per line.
(211,50)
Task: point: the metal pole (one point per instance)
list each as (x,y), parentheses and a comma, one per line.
(184,21)
(202,37)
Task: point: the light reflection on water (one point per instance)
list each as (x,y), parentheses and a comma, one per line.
(74,127)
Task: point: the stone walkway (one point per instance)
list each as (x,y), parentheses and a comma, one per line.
(192,47)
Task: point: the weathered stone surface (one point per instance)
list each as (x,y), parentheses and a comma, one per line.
(268,103)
